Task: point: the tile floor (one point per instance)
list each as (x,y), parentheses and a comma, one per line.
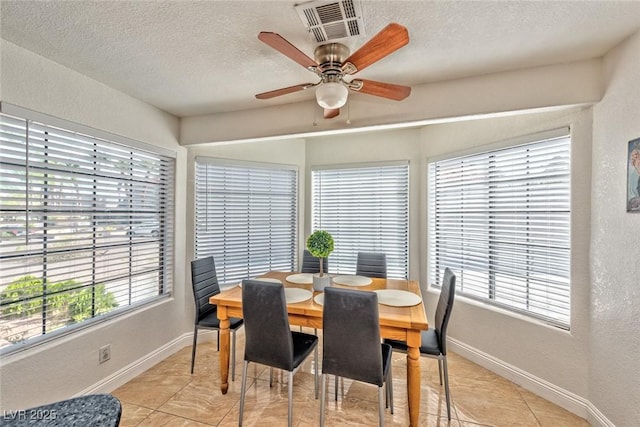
(168,395)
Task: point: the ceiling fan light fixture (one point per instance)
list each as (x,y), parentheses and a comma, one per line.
(332,95)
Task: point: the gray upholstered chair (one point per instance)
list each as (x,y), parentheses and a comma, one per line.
(434,340)
(269,341)
(311,264)
(371,264)
(351,343)
(205,284)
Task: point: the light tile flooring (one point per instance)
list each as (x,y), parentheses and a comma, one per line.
(168,395)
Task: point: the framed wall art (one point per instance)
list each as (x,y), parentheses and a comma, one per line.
(633,176)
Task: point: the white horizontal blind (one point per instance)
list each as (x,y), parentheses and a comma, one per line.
(501,221)
(366,209)
(86,228)
(246,218)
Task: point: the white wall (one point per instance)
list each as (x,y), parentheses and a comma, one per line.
(68,366)
(614,380)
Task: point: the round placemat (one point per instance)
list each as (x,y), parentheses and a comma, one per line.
(301,278)
(294,295)
(319,299)
(352,280)
(397,298)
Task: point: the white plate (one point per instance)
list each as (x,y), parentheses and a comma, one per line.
(294,295)
(397,298)
(319,299)
(301,278)
(264,279)
(352,280)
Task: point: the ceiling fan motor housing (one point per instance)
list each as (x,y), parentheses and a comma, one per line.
(330,58)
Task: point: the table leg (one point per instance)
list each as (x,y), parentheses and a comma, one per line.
(224,348)
(413,376)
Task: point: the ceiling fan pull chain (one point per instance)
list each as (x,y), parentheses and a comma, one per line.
(315,115)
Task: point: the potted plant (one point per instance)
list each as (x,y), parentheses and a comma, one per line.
(320,245)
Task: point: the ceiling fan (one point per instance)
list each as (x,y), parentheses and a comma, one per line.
(333,62)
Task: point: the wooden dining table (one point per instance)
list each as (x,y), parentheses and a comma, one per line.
(399,323)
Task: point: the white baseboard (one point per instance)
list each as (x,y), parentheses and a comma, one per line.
(129,372)
(551,392)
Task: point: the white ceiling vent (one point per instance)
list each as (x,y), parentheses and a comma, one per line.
(331,20)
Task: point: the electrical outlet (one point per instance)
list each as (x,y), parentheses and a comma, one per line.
(104,353)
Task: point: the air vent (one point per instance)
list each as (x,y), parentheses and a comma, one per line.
(331,20)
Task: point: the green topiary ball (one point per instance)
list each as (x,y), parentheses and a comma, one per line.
(320,244)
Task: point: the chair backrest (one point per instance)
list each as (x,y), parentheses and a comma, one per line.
(311,264)
(205,284)
(351,335)
(445,305)
(371,265)
(266,325)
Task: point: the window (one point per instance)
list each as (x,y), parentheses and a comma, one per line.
(366,209)
(86,228)
(501,221)
(246,217)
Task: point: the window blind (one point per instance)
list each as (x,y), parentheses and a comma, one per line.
(246,217)
(366,209)
(86,228)
(501,221)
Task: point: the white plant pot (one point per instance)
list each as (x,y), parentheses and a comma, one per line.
(319,283)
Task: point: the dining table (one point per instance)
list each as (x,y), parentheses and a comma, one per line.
(397,321)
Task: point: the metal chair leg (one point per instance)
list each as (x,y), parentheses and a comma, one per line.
(270,377)
(315,379)
(446,386)
(193,350)
(323,390)
(242,391)
(290,417)
(336,388)
(381,406)
(440,369)
(389,385)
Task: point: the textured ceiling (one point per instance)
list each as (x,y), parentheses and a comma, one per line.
(200,57)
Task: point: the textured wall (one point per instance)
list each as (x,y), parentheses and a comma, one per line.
(67,366)
(614,381)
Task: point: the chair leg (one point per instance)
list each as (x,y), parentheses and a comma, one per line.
(440,369)
(193,350)
(270,377)
(315,379)
(242,390)
(233,356)
(218,340)
(446,386)
(336,388)
(290,417)
(323,390)
(389,386)
(381,406)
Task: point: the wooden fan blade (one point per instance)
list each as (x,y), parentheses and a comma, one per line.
(280,44)
(284,91)
(388,40)
(385,90)
(330,113)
